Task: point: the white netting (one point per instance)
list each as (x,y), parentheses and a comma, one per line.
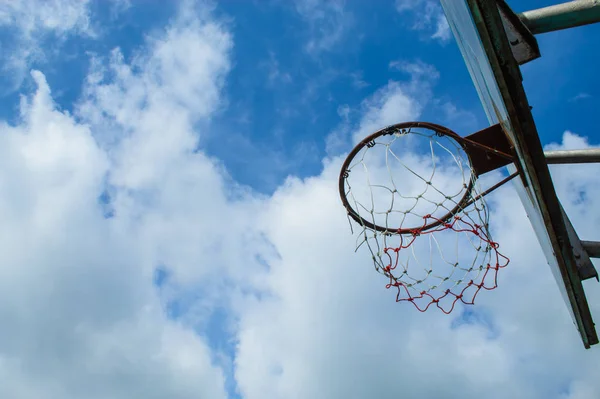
(422,217)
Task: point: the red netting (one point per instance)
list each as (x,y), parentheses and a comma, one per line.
(487,279)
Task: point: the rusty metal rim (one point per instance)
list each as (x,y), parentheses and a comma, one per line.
(438,129)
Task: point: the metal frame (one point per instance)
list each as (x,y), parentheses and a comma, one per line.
(507,73)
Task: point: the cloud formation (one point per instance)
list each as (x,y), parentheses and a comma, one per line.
(93,204)
(328,327)
(427,17)
(328,23)
(35,26)
(80,314)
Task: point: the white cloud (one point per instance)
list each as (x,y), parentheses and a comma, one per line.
(328,22)
(31,23)
(275,75)
(328,328)
(398,101)
(387,106)
(119,6)
(80,315)
(580,96)
(578,185)
(150,116)
(34,16)
(81,318)
(427,16)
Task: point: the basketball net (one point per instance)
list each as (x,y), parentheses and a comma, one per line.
(421,216)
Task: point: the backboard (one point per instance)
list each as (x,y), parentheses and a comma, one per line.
(493,44)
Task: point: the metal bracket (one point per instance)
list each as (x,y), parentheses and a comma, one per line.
(523,43)
(489,149)
(585,267)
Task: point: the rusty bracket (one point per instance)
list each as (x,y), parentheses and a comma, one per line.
(489,149)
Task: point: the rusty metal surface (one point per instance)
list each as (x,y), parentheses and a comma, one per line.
(485,157)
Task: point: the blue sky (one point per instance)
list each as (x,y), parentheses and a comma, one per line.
(171,225)
(284,98)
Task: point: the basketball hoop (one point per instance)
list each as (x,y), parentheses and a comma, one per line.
(412,188)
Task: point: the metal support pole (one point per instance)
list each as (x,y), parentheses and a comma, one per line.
(592,248)
(562,16)
(590,155)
